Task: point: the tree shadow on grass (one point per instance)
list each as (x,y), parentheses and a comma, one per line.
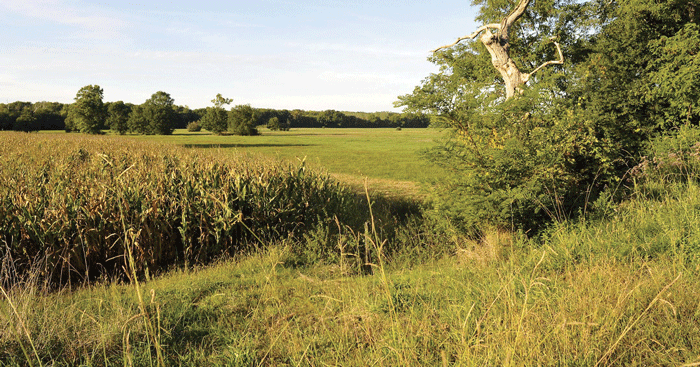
(219,146)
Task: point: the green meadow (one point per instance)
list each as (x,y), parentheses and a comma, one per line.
(370,283)
(390,159)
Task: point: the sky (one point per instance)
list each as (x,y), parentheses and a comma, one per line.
(347,55)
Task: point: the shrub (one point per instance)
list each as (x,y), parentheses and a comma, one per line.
(516,169)
(671,158)
(241,121)
(194,126)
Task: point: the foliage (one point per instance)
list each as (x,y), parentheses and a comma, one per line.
(576,130)
(137,122)
(88,111)
(216,118)
(519,176)
(241,121)
(274,124)
(639,82)
(48,115)
(159,114)
(194,126)
(675,75)
(26,122)
(69,121)
(337,119)
(26,116)
(118,117)
(185,115)
(331,118)
(669,159)
(55,116)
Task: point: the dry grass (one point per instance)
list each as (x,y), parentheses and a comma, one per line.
(385,187)
(495,246)
(71,200)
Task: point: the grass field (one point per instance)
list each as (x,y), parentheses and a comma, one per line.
(621,290)
(391,159)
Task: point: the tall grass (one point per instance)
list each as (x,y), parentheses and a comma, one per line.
(261,311)
(621,289)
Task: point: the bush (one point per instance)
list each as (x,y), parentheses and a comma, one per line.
(275,124)
(520,170)
(670,158)
(194,126)
(241,121)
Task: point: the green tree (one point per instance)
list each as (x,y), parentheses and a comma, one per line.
(159,114)
(14,111)
(241,120)
(185,116)
(277,124)
(273,124)
(496,38)
(5,118)
(574,129)
(48,115)
(26,122)
(643,79)
(137,122)
(331,118)
(88,112)
(194,126)
(216,118)
(118,117)
(515,161)
(68,121)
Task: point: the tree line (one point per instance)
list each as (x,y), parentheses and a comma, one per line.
(159,115)
(338,119)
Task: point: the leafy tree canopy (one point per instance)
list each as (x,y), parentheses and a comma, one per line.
(159,114)
(242,121)
(118,117)
(631,72)
(216,118)
(88,112)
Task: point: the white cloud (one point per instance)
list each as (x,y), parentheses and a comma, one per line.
(289,61)
(92,22)
(363,77)
(373,51)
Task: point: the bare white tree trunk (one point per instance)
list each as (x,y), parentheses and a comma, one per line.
(498,46)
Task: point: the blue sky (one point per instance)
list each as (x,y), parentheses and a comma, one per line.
(350,55)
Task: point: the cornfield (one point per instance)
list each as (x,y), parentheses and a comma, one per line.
(72,207)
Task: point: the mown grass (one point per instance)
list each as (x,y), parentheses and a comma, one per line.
(622,289)
(390,158)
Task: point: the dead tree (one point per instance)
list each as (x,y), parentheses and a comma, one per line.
(498,46)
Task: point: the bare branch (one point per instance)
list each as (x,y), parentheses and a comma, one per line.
(526,77)
(512,18)
(517,12)
(471,36)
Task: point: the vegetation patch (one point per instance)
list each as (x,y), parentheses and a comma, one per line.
(78,204)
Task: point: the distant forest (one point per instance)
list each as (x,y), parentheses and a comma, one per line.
(27,116)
